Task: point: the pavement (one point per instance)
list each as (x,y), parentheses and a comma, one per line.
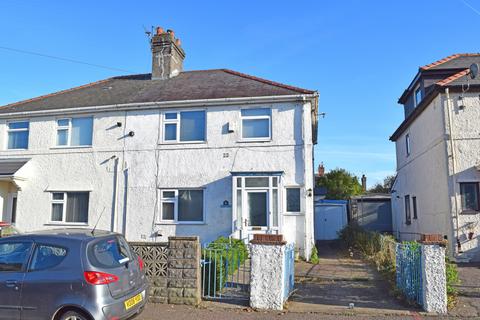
(468,302)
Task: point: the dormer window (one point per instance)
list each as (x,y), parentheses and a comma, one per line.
(418,96)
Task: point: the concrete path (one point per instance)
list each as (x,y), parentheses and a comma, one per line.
(343,284)
(469,291)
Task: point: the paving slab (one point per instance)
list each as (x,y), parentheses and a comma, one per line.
(468,304)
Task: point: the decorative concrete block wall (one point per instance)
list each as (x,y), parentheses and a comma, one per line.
(267,273)
(173,269)
(434,280)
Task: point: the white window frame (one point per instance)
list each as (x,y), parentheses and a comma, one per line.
(296,213)
(417,102)
(18,130)
(69,132)
(178,123)
(269,117)
(174,200)
(64,211)
(408,145)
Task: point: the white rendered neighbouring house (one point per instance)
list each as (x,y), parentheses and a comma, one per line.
(172,153)
(438,157)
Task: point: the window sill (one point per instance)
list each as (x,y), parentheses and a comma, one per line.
(71,147)
(181,142)
(254,140)
(66,224)
(180,223)
(294,213)
(469,212)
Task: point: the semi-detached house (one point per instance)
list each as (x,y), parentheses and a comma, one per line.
(208,153)
(438,161)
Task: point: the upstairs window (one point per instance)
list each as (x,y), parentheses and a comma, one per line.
(408,215)
(74,131)
(418,96)
(70,207)
(407,144)
(18,135)
(185,126)
(256,124)
(415,213)
(469,196)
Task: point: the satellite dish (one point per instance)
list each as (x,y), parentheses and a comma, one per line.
(474,70)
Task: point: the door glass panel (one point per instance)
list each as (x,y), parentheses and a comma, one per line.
(239,208)
(275,208)
(256,182)
(257,207)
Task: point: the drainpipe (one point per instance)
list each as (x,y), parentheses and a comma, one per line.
(454,165)
(115,195)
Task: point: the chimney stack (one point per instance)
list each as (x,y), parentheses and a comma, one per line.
(364,183)
(321,170)
(167,55)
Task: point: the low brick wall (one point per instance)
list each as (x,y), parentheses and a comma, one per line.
(173,269)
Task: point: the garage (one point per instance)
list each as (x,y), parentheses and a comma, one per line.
(330,218)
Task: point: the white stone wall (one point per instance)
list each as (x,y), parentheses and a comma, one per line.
(204,165)
(266,276)
(434,287)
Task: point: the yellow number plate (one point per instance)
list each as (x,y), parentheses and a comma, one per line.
(133,301)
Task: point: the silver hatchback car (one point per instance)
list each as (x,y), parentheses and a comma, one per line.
(70,274)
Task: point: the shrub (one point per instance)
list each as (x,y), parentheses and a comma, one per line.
(314,256)
(452,280)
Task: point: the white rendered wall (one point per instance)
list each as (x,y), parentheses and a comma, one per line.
(423,174)
(187,165)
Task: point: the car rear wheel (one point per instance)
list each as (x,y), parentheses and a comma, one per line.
(73,315)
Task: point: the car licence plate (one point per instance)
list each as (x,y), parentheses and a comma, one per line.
(130,303)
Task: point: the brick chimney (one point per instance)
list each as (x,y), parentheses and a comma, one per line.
(321,170)
(364,183)
(167,55)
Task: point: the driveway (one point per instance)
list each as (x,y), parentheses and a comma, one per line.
(468,291)
(341,283)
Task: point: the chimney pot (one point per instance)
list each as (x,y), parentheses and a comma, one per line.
(321,170)
(178,42)
(364,183)
(160,30)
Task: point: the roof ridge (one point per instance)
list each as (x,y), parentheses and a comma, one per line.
(453,77)
(449,58)
(273,83)
(56,93)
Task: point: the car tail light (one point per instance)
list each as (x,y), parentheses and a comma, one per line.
(94,277)
(140,262)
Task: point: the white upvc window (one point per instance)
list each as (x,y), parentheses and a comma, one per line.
(293,200)
(184,126)
(418,95)
(182,206)
(70,207)
(256,124)
(74,131)
(408,146)
(17,132)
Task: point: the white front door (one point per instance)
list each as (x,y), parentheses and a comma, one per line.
(257,210)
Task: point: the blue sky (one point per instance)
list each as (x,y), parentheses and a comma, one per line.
(360,55)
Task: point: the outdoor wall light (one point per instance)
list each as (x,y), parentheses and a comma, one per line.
(226,203)
(119,124)
(309,192)
(131,133)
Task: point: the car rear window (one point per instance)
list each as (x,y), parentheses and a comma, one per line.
(108,252)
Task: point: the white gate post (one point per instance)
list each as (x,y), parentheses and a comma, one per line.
(267,254)
(434,279)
